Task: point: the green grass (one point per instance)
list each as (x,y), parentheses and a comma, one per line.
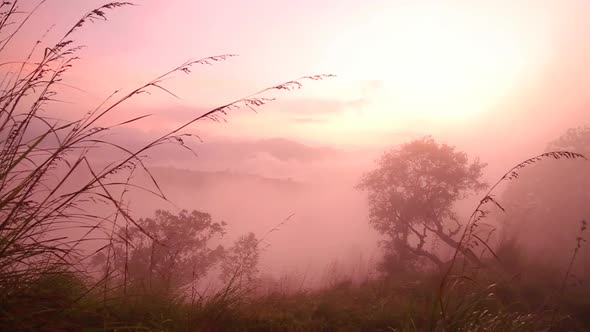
(402,303)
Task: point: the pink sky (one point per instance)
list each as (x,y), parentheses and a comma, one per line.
(455,69)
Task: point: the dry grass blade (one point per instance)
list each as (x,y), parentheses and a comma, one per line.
(478,213)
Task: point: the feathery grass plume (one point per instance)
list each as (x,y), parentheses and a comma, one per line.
(469,238)
(568,273)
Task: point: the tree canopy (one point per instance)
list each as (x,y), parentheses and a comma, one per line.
(168,251)
(411,194)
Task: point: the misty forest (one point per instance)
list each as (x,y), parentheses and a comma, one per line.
(312,166)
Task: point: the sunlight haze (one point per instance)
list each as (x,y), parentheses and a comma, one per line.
(308,165)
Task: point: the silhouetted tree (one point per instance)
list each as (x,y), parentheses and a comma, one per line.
(169,251)
(411,195)
(240,263)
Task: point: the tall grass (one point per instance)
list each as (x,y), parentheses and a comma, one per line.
(462,273)
(42,158)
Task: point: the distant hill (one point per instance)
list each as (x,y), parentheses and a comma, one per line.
(279,148)
(201,180)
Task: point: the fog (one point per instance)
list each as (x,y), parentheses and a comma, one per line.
(309,193)
(377,152)
(256,186)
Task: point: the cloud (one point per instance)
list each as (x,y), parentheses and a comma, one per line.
(305,111)
(308,119)
(222,153)
(314,106)
(317,110)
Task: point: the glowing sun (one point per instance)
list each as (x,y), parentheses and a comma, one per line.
(434,61)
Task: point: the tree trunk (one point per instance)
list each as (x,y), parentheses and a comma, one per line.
(456,245)
(432,257)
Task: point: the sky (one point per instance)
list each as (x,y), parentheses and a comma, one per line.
(453,69)
(497,79)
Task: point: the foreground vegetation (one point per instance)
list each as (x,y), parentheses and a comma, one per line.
(405,302)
